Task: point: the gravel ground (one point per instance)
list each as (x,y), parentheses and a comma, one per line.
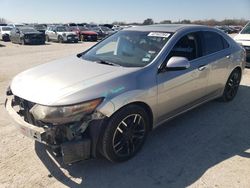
(206,147)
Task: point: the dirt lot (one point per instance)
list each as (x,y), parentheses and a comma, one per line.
(206,147)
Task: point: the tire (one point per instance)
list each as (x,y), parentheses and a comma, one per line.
(22,41)
(76,41)
(60,39)
(232,86)
(82,38)
(47,38)
(125,133)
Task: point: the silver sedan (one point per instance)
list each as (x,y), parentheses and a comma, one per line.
(107,99)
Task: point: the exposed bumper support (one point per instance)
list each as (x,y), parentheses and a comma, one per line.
(29,130)
(72,151)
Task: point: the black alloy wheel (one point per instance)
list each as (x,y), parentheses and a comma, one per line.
(125,133)
(232,86)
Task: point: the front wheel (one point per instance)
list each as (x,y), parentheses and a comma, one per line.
(22,41)
(125,133)
(60,39)
(232,86)
(47,38)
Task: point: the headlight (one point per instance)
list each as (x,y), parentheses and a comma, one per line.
(64,114)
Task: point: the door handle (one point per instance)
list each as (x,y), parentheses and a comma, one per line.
(202,67)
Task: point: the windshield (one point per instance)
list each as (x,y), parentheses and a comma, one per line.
(42,27)
(27,30)
(246,30)
(129,48)
(61,29)
(83,28)
(6,28)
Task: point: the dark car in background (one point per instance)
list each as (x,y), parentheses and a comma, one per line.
(39,27)
(102,31)
(26,35)
(226,29)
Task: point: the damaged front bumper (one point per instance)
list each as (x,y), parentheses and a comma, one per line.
(76,141)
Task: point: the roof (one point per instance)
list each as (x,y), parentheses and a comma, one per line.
(164,27)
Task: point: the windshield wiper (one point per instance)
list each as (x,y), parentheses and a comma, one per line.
(106,63)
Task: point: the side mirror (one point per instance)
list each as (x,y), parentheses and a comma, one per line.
(18,32)
(54,31)
(177,63)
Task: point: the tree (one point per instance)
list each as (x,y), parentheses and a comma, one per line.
(185,22)
(119,23)
(166,22)
(3,21)
(148,21)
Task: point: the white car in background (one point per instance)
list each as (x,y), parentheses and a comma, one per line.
(243,38)
(60,34)
(5,33)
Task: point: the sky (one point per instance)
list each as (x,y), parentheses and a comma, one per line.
(108,11)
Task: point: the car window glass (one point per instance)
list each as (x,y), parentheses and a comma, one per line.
(246,30)
(129,48)
(225,43)
(213,42)
(186,47)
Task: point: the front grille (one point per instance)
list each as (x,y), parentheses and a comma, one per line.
(71,36)
(34,36)
(90,36)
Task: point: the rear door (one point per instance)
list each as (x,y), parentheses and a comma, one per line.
(217,54)
(181,89)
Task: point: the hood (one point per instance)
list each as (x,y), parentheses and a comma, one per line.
(31,33)
(243,39)
(88,32)
(5,32)
(58,82)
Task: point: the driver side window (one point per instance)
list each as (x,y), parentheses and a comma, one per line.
(187,46)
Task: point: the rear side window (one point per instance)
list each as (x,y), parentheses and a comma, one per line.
(213,42)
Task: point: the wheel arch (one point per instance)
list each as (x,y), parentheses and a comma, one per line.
(147,108)
(237,68)
(98,130)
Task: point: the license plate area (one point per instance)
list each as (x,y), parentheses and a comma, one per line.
(28,132)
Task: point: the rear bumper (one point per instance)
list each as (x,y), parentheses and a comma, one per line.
(73,150)
(70,38)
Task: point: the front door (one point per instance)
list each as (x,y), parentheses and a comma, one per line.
(180,89)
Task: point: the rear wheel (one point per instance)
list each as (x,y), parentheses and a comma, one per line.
(232,86)
(125,133)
